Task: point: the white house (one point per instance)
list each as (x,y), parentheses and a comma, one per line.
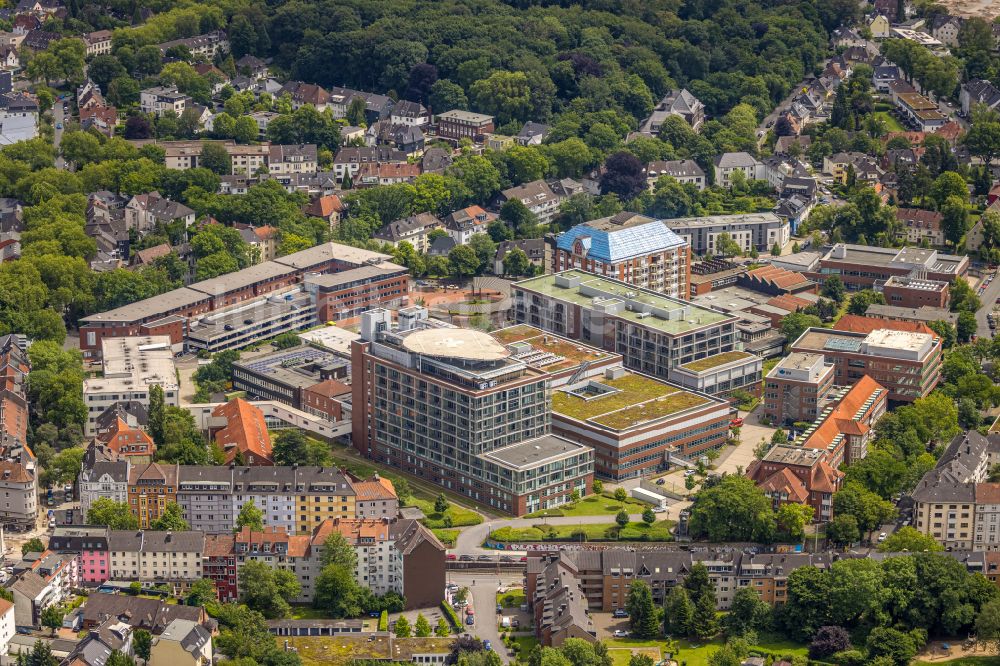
(728,164)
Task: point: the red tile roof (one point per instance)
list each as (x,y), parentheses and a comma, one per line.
(245,432)
(862,324)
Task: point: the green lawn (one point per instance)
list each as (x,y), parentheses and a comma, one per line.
(697,654)
(638,531)
(512,599)
(446,536)
(526,645)
(593,505)
(460,516)
(891,123)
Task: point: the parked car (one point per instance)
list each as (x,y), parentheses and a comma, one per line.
(466,558)
(620,612)
(499,608)
(484,558)
(619,633)
(470,620)
(487,645)
(506,558)
(736,423)
(882,537)
(689,472)
(451,557)
(660,482)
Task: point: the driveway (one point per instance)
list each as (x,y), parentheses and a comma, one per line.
(58,118)
(483,588)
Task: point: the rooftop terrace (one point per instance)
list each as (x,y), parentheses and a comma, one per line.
(625,402)
(571,353)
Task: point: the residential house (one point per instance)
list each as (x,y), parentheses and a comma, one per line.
(883,75)
(920,112)
(7,624)
(371,175)
(675,103)
(182,643)
(161,99)
(90,545)
(18,482)
(127,442)
(531,134)
(917,226)
(728,164)
(329,208)
(945,29)
(683,171)
(879,26)
(145,211)
(98,42)
(102,478)
(978,91)
(263,119)
(305,93)
(409,113)
(844,430)
(46,581)
(463,224)
(537,250)
(287,159)
(172,558)
(252,67)
(537,197)
(413,229)
(788,474)
(349,159)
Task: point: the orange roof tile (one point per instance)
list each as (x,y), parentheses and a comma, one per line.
(862,324)
(376,489)
(329,388)
(245,432)
(298,545)
(784,481)
(352,529)
(841,418)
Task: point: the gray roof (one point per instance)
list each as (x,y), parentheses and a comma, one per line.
(733,160)
(29,584)
(151,614)
(191,635)
(150,541)
(674,168)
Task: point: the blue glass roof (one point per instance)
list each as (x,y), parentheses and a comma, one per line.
(620,244)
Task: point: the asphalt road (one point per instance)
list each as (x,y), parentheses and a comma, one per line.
(989,298)
(59,118)
(484,600)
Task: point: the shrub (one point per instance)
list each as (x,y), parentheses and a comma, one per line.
(449,613)
(383,621)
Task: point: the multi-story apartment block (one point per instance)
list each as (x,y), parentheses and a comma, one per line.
(90,545)
(376,498)
(947,499)
(173,558)
(102,478)
(127,441)
(797,387)
(286,159)
(46,581)
(844,429)
(399,556)
(132,365)
(651,331)
(150,488)
(789,474)
(144,212)
(629,247)
(907,363)
(866,267)
(537,196)
(162,99)
(219,566)
(683,171)
(457,125)
(760,231)
(19,505)
(456,407)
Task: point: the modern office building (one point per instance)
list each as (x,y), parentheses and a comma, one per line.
(797,387)
(906,363)
(240,325)
(170,313)
(907,292)
(723,375)
(286,374)
(749,230)
(653,332)
(455,407)
(345,295)
(131,366)
(637,424)
(629,247)
(866,267)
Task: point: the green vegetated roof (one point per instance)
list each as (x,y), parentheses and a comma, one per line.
(638,399)
(715,361)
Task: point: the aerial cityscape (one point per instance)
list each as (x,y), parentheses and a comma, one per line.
(486,332)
